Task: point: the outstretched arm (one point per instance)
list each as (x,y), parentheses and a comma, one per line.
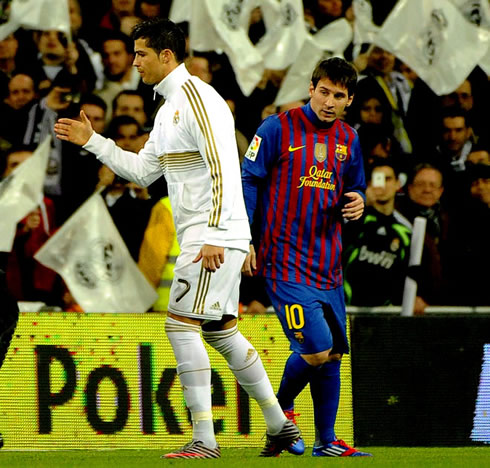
(74,131)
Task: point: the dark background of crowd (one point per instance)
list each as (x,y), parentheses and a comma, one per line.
(437,145)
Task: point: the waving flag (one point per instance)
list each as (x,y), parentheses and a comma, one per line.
(218,25)
(365,30)
(434,39)
(42,15)
(330,41)
(21,192)
(90,255)
(477,12)
(285,33)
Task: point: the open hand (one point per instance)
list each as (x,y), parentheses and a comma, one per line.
(74,131)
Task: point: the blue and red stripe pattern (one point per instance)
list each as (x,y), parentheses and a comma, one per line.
(298,176)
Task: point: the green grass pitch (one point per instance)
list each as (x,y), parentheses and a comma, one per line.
(467,457)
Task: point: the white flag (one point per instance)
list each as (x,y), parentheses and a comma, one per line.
(42,15)
(180,11)
(477,12)
(364,28)
(434,39)
(90,255)
(21,192)
(217,25)
(285,33)
(330,41)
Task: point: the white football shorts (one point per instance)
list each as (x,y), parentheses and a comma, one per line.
(200,294)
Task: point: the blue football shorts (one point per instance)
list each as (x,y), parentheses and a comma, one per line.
(312,319)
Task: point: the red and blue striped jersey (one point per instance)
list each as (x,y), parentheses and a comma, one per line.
(297,169)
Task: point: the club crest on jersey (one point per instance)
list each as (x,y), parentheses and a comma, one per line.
(253,149)
(320,152)
(340,152)
(299,337)
(176,117)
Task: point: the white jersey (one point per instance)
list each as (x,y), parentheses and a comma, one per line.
(193,144)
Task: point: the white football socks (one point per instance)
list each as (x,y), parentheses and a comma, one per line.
(245,363)
(194,371)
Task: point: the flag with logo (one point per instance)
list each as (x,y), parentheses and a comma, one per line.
(21,192)
(285,33)
(91,257)
(42,15)
(218,25)
(434,39)
(477,12)
(330,41)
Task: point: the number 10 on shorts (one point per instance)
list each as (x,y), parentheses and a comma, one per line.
(295,316)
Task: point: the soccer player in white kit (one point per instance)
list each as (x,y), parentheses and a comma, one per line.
(193,144)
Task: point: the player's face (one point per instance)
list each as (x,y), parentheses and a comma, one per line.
(153,68)
(329,100)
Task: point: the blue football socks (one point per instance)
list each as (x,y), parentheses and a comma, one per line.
(325,392)
(297,374)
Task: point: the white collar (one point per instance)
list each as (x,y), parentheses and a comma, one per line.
(174,80)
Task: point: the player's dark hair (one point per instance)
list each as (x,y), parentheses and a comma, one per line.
(160,34)
(338,71)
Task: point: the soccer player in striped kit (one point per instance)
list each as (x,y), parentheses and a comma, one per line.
(304,172)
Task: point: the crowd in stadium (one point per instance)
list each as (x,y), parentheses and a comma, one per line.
(425,155)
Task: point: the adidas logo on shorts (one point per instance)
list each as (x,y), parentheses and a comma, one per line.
(216,306)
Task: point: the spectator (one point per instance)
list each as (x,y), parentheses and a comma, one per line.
(198,65)
(129,205)
(117,57)
(394,87)
(323,12)
(132,103)
(27,279)
(8,63)
(452,151)
(89,58)
(375,258)
(15,107)
(152,8)
(118,10)
(424,190)
(95,109)
(69,179)
(56,54)
(159,251)
(468,253)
